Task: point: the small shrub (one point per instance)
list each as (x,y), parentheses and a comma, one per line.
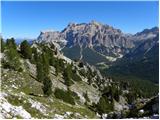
(104,105)
(47,86)
(66,96)
(76,77)
(82,73)
(20,69)
(68,75)
(86,97)
(10,43)
(81,64)
(2,45)
(26,50)
(74,94)
(94,85)
(12,59)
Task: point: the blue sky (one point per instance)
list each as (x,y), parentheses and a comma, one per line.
(27,19)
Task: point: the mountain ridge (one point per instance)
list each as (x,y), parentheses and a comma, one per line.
(104,39)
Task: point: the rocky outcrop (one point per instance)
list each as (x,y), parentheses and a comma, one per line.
(52,37)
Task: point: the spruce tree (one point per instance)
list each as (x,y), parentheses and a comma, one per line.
(12,57)
(39,66)
(86,97)
(10,43)
(50,56)
(45,63)
(57,67)
(2,45)
(26,50)
(67,75)
(47,86)
(104,106)
(43,68)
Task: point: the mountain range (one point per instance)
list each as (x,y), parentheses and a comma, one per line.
(106,47)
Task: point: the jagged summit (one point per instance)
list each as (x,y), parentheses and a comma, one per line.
(145,34)
(46,31)
(153,30)
(102,38)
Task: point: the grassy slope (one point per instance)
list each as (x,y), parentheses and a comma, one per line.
(25,84)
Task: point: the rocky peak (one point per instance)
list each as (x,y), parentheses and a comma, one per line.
(93,33)
(48,35)
(104,39)
(53,37)
(145,34)
(153,30)
(93,22)
(71,24)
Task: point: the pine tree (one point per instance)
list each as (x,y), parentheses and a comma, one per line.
(45,63)
(10,43)
(2,45)
(51,57)
(39,66)
(104,106)
(67,75)
(57,67)
(86,97)
(43,68)
(26,50)
(12,57)
(47,86)
(34,55)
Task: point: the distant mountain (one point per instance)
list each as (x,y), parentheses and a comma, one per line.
(144,35)
(147,33)
(144,48)
(99,38)
(142,62)
(95,34)
(19,40)
(52,37)
(107,47)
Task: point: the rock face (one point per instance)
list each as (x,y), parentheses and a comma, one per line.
(99,39)
(49,36)
(52,37)
(94,34)
(102,38)
(142,50)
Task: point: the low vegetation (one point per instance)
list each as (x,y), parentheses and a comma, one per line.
(66,96)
